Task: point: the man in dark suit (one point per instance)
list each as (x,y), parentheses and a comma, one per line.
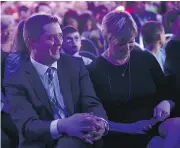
(51,97)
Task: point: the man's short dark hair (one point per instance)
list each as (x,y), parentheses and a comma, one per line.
(34,25)
(22,8)
(150,30)
(68,29)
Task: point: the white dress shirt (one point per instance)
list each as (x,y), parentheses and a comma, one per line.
(42,72)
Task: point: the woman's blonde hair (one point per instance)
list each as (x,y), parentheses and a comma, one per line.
(119,26)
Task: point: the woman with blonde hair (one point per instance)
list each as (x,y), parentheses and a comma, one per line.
(130,84)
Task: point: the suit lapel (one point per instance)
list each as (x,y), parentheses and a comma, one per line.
(65,84)
(37,85)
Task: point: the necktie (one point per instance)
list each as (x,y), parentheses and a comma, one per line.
(58,110)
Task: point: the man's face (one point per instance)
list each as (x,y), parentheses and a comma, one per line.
(49,43)
(72,43)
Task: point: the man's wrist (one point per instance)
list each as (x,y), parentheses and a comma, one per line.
(54,129)
(61,127)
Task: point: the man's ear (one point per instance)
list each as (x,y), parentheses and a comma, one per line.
(30,43)
(157,37)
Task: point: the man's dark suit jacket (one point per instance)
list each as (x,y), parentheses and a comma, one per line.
(3,61)
(29,103)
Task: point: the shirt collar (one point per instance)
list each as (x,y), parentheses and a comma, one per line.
(41,69)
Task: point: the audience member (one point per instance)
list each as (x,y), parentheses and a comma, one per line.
(86,23)
(99,13)
(154,38)
(141,16)
(43,7)
(173,21)
(23,13)
(90,31)
(72,43)
(50,91)
(14,59)
(130,84)
(7,33)
(71,19)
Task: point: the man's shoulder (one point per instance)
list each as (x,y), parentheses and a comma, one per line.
(15,77)
(70,59)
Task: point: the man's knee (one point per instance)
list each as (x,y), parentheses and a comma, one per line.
(73,142)
(170,126)
(155,142)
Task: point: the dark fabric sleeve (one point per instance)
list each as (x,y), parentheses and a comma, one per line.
(173,56)
(89,101)
(159,78)
(29,125)
(173,69)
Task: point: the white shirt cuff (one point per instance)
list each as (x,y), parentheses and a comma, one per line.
(54,130)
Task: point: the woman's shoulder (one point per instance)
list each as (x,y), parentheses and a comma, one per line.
(142,54)
(143,57)
(173,46)
(96,64)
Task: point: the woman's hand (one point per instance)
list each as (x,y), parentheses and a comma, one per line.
(162,110)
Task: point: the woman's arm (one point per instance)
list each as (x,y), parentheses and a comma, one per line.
(164,90)
(138,127)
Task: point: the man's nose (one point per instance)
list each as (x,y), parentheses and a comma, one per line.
(73,41)
(58,41)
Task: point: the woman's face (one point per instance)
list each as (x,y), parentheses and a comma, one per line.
(121,50)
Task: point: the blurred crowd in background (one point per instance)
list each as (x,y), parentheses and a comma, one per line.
(86,17)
